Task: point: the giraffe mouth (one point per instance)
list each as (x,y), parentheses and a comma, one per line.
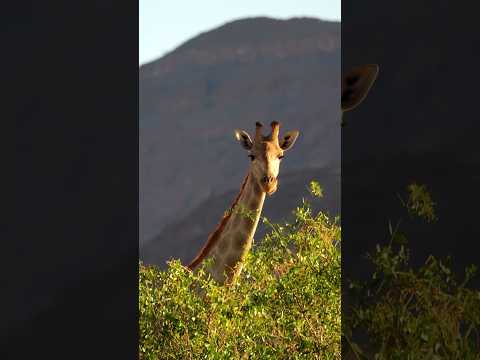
(270,189)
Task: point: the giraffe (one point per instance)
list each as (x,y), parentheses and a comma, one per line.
(356,84)
(230,242)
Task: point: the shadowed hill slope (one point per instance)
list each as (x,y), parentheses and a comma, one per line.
(183,239)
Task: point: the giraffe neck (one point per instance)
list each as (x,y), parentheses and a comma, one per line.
(233,238)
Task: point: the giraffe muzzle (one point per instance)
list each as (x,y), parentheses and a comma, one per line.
(269,184)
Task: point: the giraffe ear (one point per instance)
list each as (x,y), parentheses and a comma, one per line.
(356,84)
(288,140)
(244,139)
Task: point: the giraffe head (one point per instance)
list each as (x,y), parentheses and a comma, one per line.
(356,84)
(266,153)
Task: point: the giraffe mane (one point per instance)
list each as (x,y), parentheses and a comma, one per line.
(215,235)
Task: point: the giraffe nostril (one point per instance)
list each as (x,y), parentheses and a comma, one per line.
(268,179)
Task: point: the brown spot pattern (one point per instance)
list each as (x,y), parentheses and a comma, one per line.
(213,238)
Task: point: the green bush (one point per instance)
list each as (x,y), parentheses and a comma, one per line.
(407,313)
(285,304)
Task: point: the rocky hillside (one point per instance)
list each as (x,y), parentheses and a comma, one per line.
(192,99)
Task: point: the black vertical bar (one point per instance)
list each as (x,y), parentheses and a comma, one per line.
(70,289)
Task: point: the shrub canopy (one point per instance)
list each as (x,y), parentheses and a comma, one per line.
(284,305)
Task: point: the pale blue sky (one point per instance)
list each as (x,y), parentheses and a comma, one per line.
(164,25)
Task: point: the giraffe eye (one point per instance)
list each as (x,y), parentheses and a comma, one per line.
(252,157)
(280,157)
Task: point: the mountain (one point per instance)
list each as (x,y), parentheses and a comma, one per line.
(191,101)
